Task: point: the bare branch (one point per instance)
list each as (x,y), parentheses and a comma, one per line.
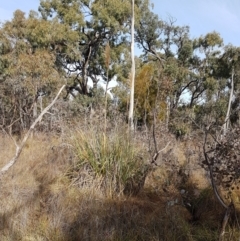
(19,148)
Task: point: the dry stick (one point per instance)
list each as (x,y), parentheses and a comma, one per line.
(20,147)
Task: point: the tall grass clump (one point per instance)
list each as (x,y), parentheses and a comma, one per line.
(113,158)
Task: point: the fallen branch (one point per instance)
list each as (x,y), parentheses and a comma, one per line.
(19,148)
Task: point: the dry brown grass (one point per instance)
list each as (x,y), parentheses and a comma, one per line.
(39,201)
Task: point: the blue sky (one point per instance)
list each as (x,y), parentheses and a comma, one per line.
(203,16)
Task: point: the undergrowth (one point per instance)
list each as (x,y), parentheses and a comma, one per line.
(71,188)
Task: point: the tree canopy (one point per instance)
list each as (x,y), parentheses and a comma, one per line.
(67,40)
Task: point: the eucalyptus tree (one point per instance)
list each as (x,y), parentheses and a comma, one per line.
(204,80)
(221,98)
(171,46)
(187,62)
(89,26)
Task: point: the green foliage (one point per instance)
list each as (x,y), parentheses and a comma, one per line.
(70,38)
(186,51)
(211,113)
(83,29)
(209,40)
(148,29)
(27,70)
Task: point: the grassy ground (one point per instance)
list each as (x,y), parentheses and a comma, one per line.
(66,188)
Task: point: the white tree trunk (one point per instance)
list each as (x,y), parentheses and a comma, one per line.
(226,123)
(132,75)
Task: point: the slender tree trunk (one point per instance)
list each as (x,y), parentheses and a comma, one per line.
(132,75)
(107,62)
(226,124)
(84,82)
